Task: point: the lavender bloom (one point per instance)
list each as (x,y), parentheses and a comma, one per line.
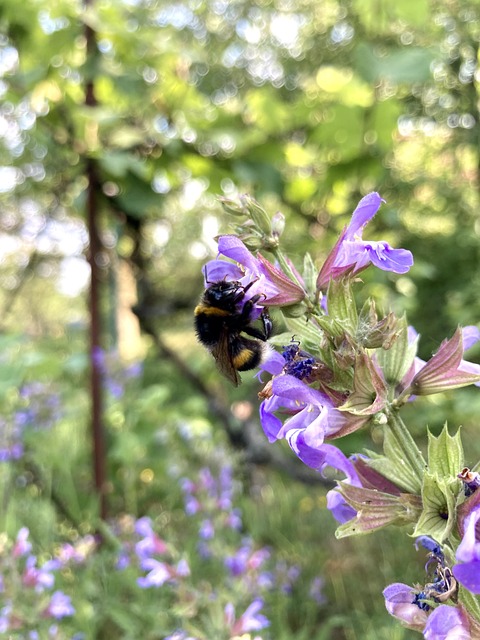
(312,418)
(159,573)
(333,457)
(5,613)
(353,254)
(234,519)
(60,606)
(250,620)
(316,590)
(447,623)
(207,530)
(150,544)
(468,553)
(22,547)
(179,634)
(246,560)
(39,578)
(399,601)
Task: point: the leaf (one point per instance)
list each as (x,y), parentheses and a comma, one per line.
(399,66)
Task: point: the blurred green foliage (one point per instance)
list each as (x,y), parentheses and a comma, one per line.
(306,105)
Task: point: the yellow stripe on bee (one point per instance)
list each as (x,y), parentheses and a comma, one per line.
(208,310)
(243,358)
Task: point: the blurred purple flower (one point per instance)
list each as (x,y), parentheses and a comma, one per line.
(161,572)
(353,254)
(22,547)
(316,590)
(39,578)
(207,530)
(60,606)
(250,620)
(5,614)
(150,544)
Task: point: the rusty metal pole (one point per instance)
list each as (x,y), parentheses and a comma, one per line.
(95,248)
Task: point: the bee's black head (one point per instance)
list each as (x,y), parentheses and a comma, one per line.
(224,293)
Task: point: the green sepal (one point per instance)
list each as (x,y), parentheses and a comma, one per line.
(369,391)
(395,465)
(445,454)
(332,326)
(375,510)
(373,333)
(439,512)
(341,304)
(396,361)
(309,274)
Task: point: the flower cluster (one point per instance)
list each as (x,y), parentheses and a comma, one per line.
(341,369)
(31,602)
(38,406)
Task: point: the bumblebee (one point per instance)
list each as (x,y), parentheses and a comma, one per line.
(220,322)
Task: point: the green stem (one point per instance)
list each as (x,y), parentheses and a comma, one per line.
(411,454)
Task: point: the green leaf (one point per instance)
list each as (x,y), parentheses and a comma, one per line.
(401,65)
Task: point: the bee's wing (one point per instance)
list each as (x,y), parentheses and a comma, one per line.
(223,357)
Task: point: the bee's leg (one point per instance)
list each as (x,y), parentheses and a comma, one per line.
(258,333)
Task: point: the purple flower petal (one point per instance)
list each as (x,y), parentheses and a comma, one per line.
(399,603)
(366,209)
(447,623)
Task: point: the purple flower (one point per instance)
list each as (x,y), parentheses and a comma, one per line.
(250,620)
(341,511)
(268,281)
(150,544)
(447,623)
(158,573)
(161,572)
(353,254)
(399,601)
(468,552)
(60,606)
(207,530)
(22,547)
(39,578)
(316,590)
(311,418)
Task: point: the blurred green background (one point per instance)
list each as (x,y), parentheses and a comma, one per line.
(154,109)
